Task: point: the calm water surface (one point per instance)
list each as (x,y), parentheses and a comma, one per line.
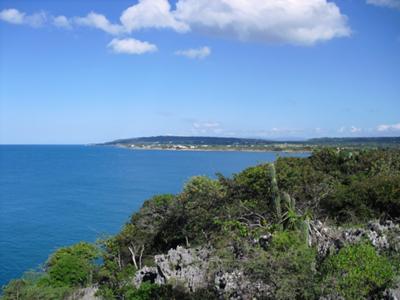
(53,196)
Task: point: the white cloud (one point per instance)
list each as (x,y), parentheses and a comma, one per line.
(14,16)
(354,129)
(208,125)
(351,129)
(299,22)
(385,3)
(388,127)
(131,46)
(318,130)
(302,22)
(62,22)
(99,21)
(206,128)
(195,53)
(151,14)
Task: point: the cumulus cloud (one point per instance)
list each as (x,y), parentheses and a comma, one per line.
(151,14)
(131,46)
(99,21)
(14,16)
(62,22)
(299,22)
(388,127)
(195,53)
(385,3)
(302,22)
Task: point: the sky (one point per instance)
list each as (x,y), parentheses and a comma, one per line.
(74,72)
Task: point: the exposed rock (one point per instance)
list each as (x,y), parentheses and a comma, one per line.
(393,294)
(187,267)
(235,286)
(148,274)
(329,240)
(190,267)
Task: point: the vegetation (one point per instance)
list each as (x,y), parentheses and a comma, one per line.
(357,272)
(278,200)
(245,144)
(67,269)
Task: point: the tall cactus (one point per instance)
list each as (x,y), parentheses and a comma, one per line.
(289,202)
(276,197)
(295,219)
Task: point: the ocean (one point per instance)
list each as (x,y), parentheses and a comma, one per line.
(54,196)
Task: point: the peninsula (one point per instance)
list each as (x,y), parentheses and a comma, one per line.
(204,143)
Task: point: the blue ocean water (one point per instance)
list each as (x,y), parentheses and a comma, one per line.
(53,196)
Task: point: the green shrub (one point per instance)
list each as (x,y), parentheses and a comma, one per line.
(32,287)
(288,265)
(148,291)
(357,272)
(72,266)
(365,199)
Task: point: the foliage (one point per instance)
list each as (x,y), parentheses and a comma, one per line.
(33,286)
(357,272)
(72,266)
(67,268)
(368,198)
(148,291)
(288,265)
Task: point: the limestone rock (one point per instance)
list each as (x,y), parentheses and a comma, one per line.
(235,286)
(148,274)
(187,267)
(329,240)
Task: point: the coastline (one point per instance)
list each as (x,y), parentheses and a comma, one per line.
(227,149)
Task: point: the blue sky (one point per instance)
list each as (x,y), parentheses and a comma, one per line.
(97,70)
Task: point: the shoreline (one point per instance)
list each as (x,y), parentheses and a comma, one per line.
(208,150)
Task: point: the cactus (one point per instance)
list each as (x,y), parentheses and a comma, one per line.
(305,230)
(291,218)
(290,203)
(275,193)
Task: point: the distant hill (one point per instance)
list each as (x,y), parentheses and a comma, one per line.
(355,141)
(225,141)
(191,140)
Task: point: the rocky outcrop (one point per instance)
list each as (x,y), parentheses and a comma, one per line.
(235,286)
(148,274)
(393,294)
(180,266)
(189,268)
(328,240)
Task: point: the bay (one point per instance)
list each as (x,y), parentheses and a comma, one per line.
(54,196)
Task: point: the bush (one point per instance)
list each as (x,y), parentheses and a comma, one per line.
(365,199)
(357,272)
(288,265)
(72,266)
(32,286)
